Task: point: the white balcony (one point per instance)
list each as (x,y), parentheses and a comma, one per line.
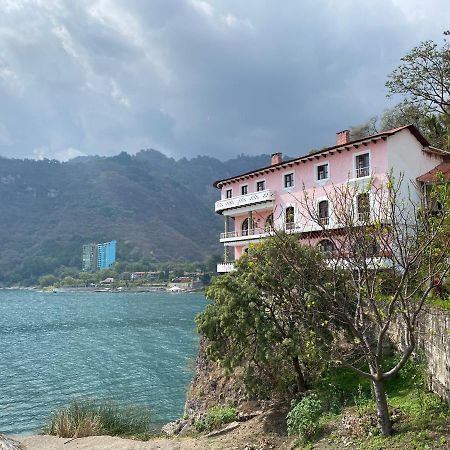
(244,235)
(225,267)
(264,198)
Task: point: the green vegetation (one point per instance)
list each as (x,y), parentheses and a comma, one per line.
(97,417)
(275,335)
(421,418)
(216,417)
(303,418)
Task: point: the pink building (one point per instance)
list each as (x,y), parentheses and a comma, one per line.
(254,202)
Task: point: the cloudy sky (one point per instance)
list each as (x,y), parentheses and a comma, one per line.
(191,77)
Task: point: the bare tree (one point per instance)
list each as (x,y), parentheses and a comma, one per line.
(387,252)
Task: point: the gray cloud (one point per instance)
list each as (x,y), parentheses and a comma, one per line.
(194,77)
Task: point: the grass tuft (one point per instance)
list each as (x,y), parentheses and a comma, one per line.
(83,418)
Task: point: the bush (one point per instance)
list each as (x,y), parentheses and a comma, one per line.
(303,418)
(215,417)
(99,417)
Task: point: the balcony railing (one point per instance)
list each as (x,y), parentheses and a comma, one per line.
(289,226)
(244,200)
(361,172)
(243,233)
(225,267)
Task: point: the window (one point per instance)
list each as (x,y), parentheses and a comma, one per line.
(260,185)
(244,189)
(268,226)
(322,172)
(289,180)
(363,206)
(229,193)
(323,212)
(362,165)
(326,246)
(247,227)
(290,218)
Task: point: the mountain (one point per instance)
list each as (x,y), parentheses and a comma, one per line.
(157,208)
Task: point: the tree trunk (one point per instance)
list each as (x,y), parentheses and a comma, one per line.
(301,384)
(382,408)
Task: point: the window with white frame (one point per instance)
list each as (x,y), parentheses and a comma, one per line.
(288,180)
(362,165)
(289,218)
(260,185)
(324,212)
(363,206)
(322,172)
(229,193)
(244,189)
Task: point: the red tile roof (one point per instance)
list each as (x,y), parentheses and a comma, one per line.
(382,135)
(432,175)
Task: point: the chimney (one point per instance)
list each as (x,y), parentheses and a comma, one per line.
(342,137)
(277,158)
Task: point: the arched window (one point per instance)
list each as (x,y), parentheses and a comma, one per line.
(268,226)
(247,227)
(290,218)
(324,213)
(326,246)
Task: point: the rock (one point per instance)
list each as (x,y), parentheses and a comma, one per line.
(228,428)
(245,417)
(187,430)
(173,428)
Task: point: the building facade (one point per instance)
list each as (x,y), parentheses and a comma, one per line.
(98,256)
(89,258)
(254,203)
(106,255)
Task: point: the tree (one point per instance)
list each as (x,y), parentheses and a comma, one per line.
(432,126)
(381,230)
(48,280)
(423,79)
(266,318)
(365,129)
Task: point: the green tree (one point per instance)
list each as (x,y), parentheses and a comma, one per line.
(48,280)
(432,126)
(423,79)
(266,317)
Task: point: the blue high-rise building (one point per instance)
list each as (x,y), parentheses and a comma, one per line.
(106,255)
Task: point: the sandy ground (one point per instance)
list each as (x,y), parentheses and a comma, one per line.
(107,443)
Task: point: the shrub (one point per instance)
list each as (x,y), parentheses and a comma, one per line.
(96,417)
(215,417)
(303,418)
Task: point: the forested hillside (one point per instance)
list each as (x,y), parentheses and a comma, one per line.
(156,207)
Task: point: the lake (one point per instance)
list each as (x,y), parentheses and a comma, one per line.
(136,348)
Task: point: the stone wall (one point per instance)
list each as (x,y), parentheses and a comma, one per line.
(434,345)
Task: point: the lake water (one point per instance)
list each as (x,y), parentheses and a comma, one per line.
(133,348)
